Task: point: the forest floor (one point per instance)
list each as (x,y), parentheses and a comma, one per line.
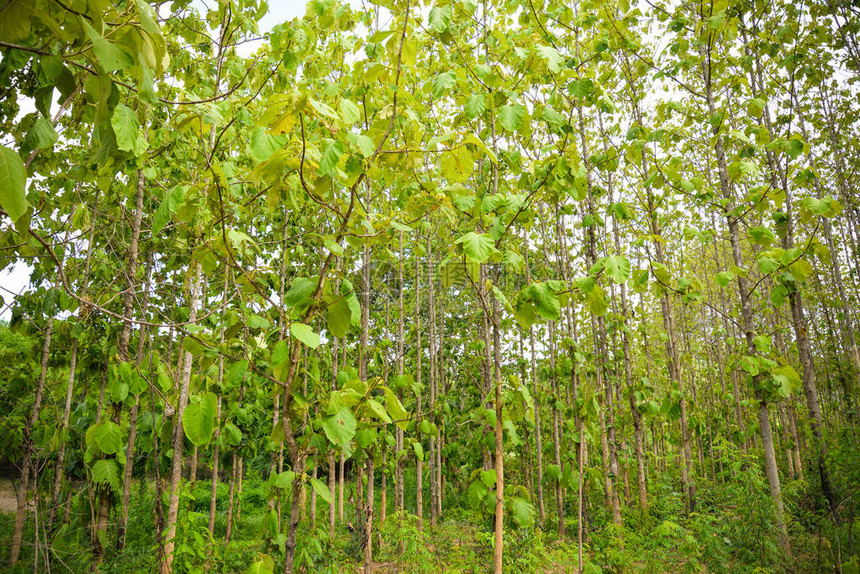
(729,534)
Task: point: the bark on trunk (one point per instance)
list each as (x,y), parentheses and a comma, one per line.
(179,436)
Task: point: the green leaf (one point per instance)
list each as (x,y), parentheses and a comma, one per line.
(617,268)
(330,157)
(378,410)
(661,273)
(322,490)
(340,427)
(339,317)
(107,471)
(109,437)
(349,112)
(12,179)
(800,269)
(475,106)
(523,512)
(793,147)
(443,83)
(597,301)
(198,419)
(254,321)
(553,59)
(232,434)
(457,164)
(826,206)
(111,57)
(263,564)
(364,144)
(778,295)
(546,302)
(419,450)
(439,18)
(552,117)
(263,144)
(477,247)
(284,479)
(511,117)
(129,136)
(169,204)
(724,278)
(305,334)
(395,409)
(767,264)
(787,380)
(761,235)
(300,292)
(237,372)
(41,135)
(756,107)
(581,88)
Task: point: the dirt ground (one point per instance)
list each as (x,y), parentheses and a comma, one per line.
(8,500)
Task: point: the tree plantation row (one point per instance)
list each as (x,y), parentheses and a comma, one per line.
(456,285)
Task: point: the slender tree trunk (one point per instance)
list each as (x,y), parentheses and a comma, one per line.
(419,464)
(748,323)
(179,435)
(537,400)
(368,525)
(27,460)
(399,503)
(216,451)
(230,499)
(431,344)
(70,388)
(498,434)
(132,419)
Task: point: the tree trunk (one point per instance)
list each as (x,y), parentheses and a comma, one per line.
(179,435)
(499,452)
(748,323)
(26,461)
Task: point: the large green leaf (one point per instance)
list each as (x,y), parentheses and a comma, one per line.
(107,471)
(263,144)
(129,136)
(439,18)
(110,56)
(554,60)
(305,334)
(477,247)
(198,420)
(12,179)
(331,156)
(475,106)
(41,135)
(349,112)
(340,427)
(523,512)
(322,490)
(443,83)
(395,409)
(596,300)
(377,410)
(364,144)
(109,437)
(761,235)
(618,268)
(339,317)
(263,564)
(546,302)
(168,207)
(511,117)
